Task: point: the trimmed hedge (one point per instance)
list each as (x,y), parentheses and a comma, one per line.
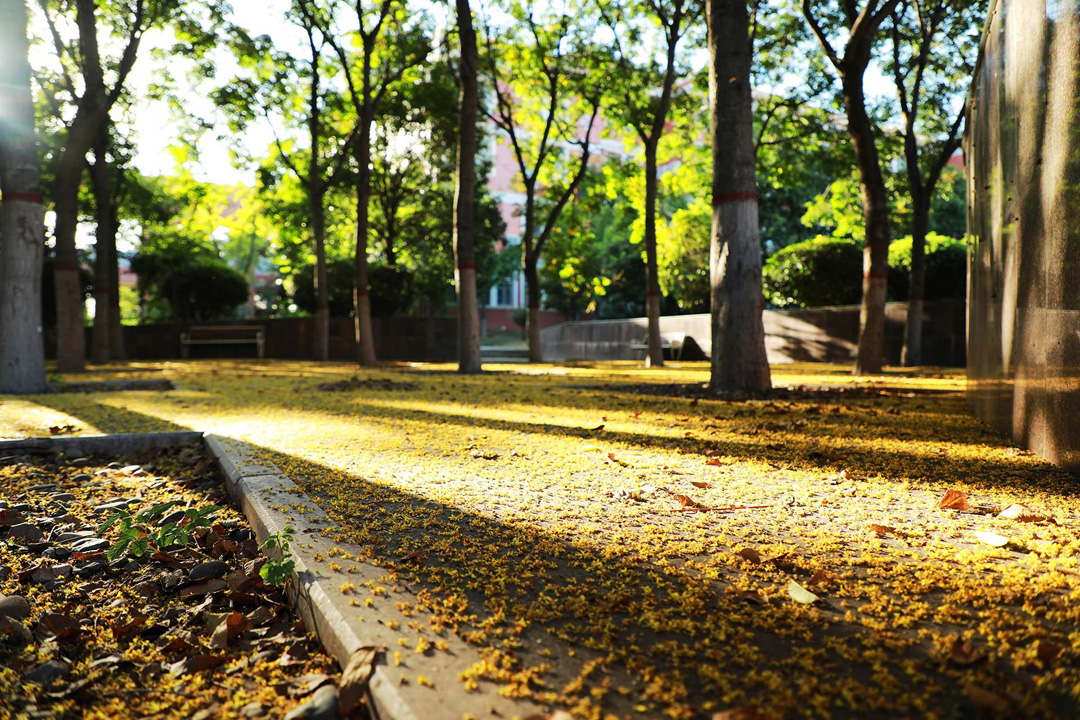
(946,268)
(828,271)
(816,272)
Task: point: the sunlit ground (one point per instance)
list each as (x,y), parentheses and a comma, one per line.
(576,527)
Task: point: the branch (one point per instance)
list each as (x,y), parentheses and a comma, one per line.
(127,60)
(61,49)
(948,148)
(819,33)
(505,109)
(284,155)
(553,214)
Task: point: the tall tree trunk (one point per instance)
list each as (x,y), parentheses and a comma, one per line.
(105,236)
(365,337)
(655,355)
(871,353)
(70,324)
(739,362)
(22,216)
(322,291)
(464,254)
(116,327)
(532,301)
(912,354)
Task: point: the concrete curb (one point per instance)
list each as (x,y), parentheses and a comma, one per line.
(80,445)
(271,502)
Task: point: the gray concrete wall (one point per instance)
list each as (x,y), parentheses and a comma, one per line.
(1023,160)
(817,335)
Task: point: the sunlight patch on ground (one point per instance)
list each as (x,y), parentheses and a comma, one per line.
(612,539)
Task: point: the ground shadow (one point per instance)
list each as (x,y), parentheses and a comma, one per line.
(601,614)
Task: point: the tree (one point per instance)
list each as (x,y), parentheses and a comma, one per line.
(22,215)
(464,253)
(387,49)
(270,86)
(926,81)
(106,338)
(542,104)
(93,100)
(640,107)
(860,27)
(738,361)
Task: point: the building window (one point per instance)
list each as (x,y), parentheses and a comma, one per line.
(504,294)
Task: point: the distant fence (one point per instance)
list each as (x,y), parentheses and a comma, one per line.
(396,338)
(828,334)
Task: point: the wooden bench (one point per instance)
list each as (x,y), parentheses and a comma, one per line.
(222,335)
(672,342)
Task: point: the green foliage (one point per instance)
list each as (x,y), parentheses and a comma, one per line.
(276,571)
(813,273)
(946,268)
(182,284)
(136,536)
(828,271)
(341,278)
(683,257)
(391,288)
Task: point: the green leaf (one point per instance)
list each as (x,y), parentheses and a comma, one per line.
(156,511)
(112,519)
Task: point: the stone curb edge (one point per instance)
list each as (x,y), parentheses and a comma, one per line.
(271,501)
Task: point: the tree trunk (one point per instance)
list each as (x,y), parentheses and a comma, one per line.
(464,254)
(70,340)
(105,236)
(739,362)
(322,292)
(655,354)
(912,354)
(22,216)
(365,338)
(532,300)
(871,353)
(116,327)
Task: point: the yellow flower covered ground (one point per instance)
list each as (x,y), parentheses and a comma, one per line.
(575,524)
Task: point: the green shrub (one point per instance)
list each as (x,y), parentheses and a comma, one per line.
(946,268)
(180,287)
(816,272)
(828,271)
(390,288)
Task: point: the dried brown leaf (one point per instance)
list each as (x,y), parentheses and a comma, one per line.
(130,627)
(963,654)
(1048,652)
(204,588)
(742,713)
(59,626)
(355,677)
(750,596)
(751,555)
(702,485)
(987,701)
(197,663)
(686,501)
(954,500)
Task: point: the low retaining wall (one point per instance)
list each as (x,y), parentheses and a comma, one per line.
(828,334)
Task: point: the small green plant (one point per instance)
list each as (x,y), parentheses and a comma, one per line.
(136,537)
(277,571)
